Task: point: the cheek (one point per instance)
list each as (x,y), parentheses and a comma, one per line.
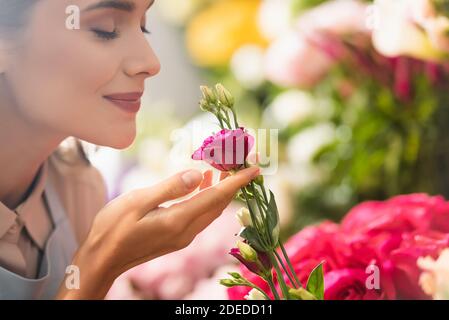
(59,84)
(63,77)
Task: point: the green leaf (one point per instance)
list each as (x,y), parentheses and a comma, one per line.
(273,215)
(315,283)
(250,234)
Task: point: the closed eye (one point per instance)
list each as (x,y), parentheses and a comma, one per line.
(106,35)
(145,30)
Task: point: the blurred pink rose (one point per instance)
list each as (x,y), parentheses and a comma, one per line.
(306,250)
(390,235)
(294,61)
(303,56)
(348,284)
(404,260)
(401,213)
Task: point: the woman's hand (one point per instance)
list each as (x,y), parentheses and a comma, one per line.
(135,227)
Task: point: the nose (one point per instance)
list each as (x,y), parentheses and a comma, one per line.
(141,59)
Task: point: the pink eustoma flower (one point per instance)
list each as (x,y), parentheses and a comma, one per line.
(226,150)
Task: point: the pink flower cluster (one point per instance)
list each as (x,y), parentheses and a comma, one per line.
(390,235)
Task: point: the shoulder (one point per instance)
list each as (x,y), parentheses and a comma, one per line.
(81,188)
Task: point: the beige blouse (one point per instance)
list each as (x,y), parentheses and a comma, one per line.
(25,230)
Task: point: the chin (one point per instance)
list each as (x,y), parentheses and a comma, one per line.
(115,140)
(122,142)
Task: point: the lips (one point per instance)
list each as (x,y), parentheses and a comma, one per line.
(129,102)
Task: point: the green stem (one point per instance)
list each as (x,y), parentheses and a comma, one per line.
(280,277)
(264,194)
(261,209)
(273,288)
(224,117)
(227,118)
(260,204)
(235,118)
(253,216)
(284,252)
(219,119)
(285,269)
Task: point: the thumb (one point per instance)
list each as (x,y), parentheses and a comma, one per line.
(172,188)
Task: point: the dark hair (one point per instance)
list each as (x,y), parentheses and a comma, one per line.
(14,16)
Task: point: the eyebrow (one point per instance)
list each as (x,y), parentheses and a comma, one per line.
(123,5)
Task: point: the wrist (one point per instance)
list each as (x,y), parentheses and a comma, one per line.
(95,275)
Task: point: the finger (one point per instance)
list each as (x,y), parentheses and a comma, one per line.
(207,179)
(215,198)
(224,175)
(180,184)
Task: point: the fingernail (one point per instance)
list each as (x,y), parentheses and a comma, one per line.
(192,178)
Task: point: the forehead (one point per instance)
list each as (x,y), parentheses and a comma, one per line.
(123,5)
(56,11)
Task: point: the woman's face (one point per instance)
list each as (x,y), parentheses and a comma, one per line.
(60,78)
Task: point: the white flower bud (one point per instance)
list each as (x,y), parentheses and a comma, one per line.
(244,217)
(255,294)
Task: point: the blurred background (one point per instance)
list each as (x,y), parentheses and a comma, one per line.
(361,111)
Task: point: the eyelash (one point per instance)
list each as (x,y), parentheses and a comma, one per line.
(106,35)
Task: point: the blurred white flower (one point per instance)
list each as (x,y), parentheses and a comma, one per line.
(337,17)
(296,177)
(153,154)
(255,294)
(422,10)
(438,31)
(290,107)
(275,18)
(247,66)
(435,278)
(304,145)
(397,33)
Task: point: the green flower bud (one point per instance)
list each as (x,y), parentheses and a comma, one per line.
(224,96)
(301,294)
(205,106)
(228,283)
(208,95)
(247,252)
(235,275)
